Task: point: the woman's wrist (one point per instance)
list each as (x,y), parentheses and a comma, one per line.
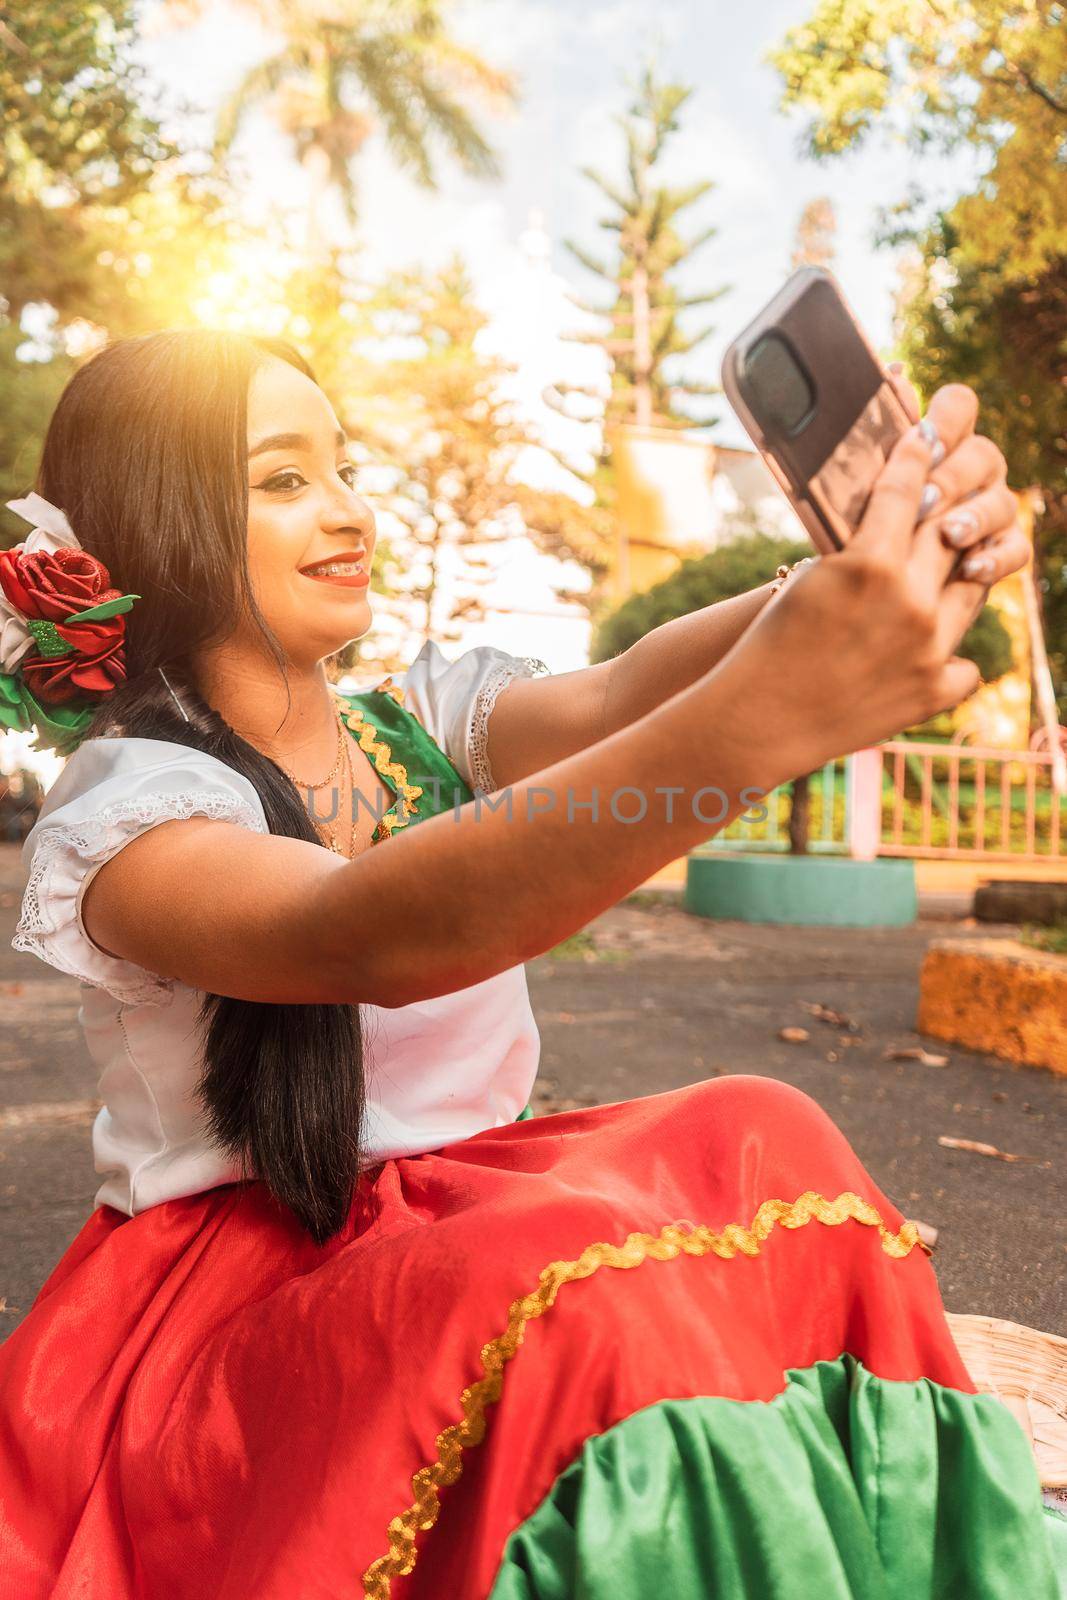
(784,573)
(740,738)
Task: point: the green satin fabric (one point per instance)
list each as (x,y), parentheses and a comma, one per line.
(843,1487)
(527,1111)
(409,743)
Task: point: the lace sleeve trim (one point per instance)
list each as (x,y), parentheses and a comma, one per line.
(500,676)
(47,907)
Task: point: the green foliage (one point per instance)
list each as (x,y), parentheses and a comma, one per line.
(109,272)
(1008,341)
(74,134)
(990,829)
(743,563)
(74,102)
(989,306)
(988,73)
(28,394)
(99,227)
(987,643)
(1053,940)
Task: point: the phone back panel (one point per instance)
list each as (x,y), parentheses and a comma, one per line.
(829,464)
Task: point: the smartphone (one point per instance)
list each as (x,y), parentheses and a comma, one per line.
(817,403)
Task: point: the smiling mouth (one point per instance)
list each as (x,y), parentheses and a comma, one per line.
(345,565)
(352,578)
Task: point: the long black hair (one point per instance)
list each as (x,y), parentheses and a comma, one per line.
(146,454)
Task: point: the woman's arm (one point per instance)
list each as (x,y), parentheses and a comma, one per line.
(537,721)
(440,905)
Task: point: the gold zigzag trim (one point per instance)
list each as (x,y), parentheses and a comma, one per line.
(381,754)
(672,1241)
(393,690)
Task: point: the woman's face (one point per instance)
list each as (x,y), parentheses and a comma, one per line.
(303,511)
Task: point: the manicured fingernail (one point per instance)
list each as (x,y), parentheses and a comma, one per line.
(931,495)
(896,366)
(978,567)
(930,434)
(960,527)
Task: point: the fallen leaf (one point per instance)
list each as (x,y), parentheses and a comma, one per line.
(913,1052)
(793,1035)
(927,1233)
(836,1019)
(979,1149)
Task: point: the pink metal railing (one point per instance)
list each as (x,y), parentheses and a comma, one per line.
(966,801)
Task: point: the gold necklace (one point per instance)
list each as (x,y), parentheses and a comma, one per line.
(334,770)
(343,754)
(324,828)
(351,798)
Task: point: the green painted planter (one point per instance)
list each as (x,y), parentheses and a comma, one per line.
(814,891)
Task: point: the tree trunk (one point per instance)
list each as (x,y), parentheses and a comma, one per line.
(642,349)
(316,165)
(800,815)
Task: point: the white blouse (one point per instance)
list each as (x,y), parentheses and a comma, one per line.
(438,1070)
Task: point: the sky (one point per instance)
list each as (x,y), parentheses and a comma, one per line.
(573,59)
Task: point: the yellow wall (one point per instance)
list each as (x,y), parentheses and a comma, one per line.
(663,483)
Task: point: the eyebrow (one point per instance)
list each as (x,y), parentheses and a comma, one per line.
(291,441)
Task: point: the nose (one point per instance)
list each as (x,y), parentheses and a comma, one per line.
(347,511)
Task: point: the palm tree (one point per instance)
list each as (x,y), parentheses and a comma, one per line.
(349,68)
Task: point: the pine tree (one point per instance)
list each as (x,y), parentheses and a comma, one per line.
(646,338)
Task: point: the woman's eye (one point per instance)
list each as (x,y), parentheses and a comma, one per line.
(282,481)
(286,482)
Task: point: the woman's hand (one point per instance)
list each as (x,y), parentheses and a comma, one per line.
(986,527)
(862,644)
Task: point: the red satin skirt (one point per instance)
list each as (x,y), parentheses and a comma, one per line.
(202,1404)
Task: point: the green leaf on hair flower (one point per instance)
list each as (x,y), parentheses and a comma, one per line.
(12,703)
(59,728)
(108,608)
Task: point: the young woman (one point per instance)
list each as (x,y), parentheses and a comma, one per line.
(344,1321)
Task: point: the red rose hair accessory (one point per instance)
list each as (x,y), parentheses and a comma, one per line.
(62,630)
